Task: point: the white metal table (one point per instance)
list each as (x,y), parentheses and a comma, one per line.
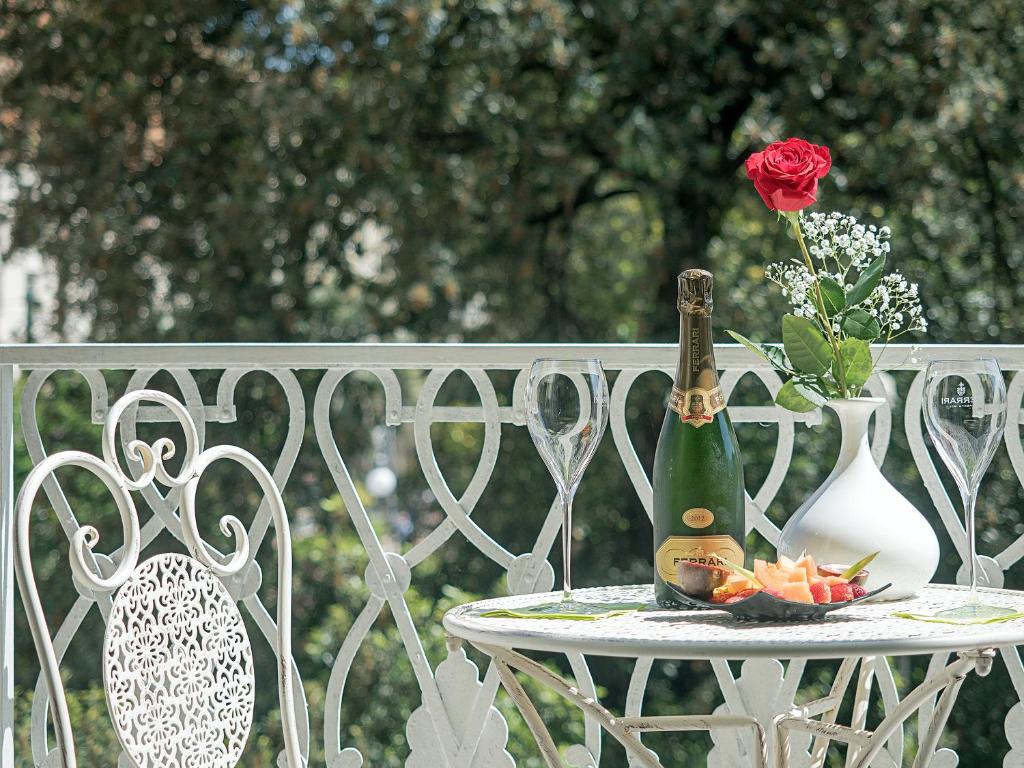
(855,635)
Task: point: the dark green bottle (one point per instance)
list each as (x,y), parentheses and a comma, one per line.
(698,471)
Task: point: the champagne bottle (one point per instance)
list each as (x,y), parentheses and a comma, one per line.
(698,471)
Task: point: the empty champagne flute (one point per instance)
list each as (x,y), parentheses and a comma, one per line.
(566,413)
(965,412)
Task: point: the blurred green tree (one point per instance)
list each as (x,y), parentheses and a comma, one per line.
(538,170)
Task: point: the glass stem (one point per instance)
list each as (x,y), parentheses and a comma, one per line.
(567,546)
(972,558)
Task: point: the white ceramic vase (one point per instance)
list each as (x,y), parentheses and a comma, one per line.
(856,511)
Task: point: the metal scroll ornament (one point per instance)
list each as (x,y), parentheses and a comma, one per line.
(697,406)
(177,664)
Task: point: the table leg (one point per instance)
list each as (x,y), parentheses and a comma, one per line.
(529,712)
(842,681)
(864,746)
(950,677)
(982,666)
(860,704)
(622,729)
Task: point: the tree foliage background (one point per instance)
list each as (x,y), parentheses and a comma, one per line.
(535,170)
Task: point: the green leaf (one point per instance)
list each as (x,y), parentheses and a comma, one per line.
(833,294)
(777,357)
(815,390)
(771,354)
(805,346)
(866,284)
(740,570)
(755,348)
(857,567)
(791,399)
(861,325)
(857,362)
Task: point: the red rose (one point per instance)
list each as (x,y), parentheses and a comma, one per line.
(786,173)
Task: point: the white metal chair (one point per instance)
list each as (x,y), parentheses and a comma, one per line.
(177,661)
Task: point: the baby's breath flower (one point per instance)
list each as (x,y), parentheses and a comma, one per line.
(841,249)
(838,240)
(896,305)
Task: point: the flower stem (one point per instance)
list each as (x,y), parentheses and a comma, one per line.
(823,318)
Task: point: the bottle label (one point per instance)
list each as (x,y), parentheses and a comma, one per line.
(698,517)
(706,550)
(697,406)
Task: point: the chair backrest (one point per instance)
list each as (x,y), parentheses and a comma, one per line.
(177,661)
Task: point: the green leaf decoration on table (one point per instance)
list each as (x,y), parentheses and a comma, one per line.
(833,294)
(857,567)
(857,362)
(771,354)
(867,283)
(806,348)
(579,611)
(794,397)
(859,324)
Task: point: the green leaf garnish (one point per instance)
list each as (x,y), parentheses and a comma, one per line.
(857,567)
(740,570)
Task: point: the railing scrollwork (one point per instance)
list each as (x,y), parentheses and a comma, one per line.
(139,474)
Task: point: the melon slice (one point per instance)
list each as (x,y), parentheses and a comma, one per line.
(737,583)
(771,575)
(797,592)
(809,567)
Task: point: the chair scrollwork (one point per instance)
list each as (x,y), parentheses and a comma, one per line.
(128,577)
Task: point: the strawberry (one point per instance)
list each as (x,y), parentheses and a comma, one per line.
(842,593)
(821,592)
(858,591)
(720,595)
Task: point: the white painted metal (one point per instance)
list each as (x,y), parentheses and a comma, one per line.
(177,660)
(177,667)
(771,696)
(429,356)
(700,635)
(622,729)
(390,573)
(6,565)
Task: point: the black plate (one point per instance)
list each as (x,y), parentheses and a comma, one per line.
(765,607)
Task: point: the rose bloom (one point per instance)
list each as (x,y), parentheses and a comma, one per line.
(786,173)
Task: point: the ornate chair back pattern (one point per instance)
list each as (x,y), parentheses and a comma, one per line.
(177,662)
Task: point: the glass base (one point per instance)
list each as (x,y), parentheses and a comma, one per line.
(974,611)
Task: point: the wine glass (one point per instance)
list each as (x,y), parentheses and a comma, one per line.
(566,413)
(965,412)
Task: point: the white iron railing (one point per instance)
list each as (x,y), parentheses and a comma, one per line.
(433,738)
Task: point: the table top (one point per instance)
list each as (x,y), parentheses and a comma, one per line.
(866,629)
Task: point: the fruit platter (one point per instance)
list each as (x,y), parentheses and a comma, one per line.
(786,590)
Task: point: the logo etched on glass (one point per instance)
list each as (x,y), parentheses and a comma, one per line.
(961,399)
